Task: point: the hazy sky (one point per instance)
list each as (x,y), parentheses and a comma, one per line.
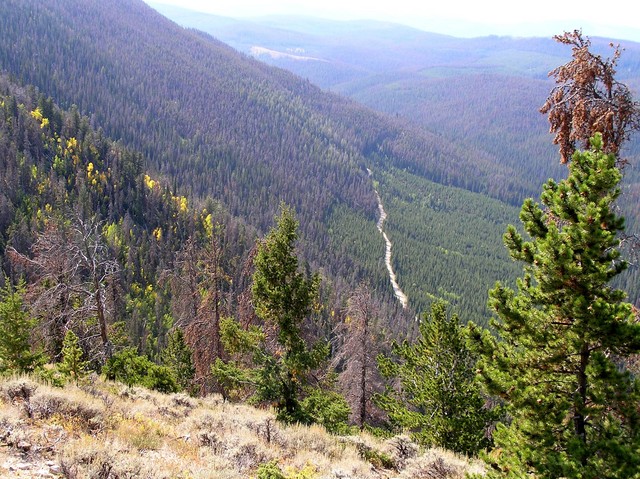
(615,19)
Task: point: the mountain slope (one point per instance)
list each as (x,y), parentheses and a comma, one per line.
(111,430)
(215,123)
(483,93)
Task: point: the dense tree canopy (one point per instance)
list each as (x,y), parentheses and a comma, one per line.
(557,361)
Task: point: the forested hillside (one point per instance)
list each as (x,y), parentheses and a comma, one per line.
(148,263)
(93,235)
(483,93)
(214,123)
(480,94)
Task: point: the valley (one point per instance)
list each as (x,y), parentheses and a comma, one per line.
(397,291)
(482,95)
(357,237)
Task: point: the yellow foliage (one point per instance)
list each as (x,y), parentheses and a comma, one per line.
(157,233)
(208,225)
(309,471)
(37,114)
(72,144)
(183,204)
(151,184)
(112,234)
(42,186)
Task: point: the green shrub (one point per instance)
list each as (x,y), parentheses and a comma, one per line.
(376,458)
(329,409)
(270,470)
(134,370)
(161,378)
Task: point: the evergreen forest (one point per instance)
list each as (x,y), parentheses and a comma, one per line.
(180,216)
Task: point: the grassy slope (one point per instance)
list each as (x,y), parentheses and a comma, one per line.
(106,429)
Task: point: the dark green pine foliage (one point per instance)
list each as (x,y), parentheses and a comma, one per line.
(72,364)
(177,357)
(128,367)
(16,354)
(437,398)
(284,297)
(558,362)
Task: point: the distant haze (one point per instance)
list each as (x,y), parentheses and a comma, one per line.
(466,18)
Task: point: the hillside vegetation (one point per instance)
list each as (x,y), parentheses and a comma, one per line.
(212,123)
(140,175)
(100,429)
(480,94)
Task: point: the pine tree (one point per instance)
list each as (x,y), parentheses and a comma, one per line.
(283,298)
(16,354)
(177,357)
(72,364)
(557,362)
(437,398)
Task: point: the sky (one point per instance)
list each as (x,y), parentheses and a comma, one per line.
(467,18)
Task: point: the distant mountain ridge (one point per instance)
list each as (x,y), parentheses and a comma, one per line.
(471,91)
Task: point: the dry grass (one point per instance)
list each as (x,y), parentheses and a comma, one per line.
(108,431)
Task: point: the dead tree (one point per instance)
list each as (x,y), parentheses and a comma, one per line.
(199,301)
(360,344)
(70,268)
(588,99)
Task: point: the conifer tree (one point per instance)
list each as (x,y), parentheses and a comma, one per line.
(72,364)
(283,298)
(557,361)
(16,325)
(437,398)
(177,357)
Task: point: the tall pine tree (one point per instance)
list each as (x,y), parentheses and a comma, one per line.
(562,336)
(16,324)
(437,398)
(283,298)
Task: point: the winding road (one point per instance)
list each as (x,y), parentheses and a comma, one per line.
(387,254)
